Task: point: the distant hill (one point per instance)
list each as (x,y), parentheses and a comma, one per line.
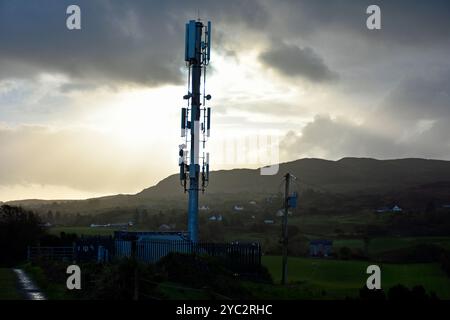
(345,176)
(342,176)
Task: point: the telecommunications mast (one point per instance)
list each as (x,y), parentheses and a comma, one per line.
(195,120)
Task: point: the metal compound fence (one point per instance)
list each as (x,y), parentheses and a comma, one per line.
(238,257)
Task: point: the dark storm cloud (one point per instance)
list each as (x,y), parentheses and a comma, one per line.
(413,120)
(142,41)
(334,139)
(423,97)
(415,23)
(120,41)
(397,79)
(293,61)
(337,138)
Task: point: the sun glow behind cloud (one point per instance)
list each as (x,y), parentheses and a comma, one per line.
(135,130)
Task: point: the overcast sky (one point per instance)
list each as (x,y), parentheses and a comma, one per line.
(96,111)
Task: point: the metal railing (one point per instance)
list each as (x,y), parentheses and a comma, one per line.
(51,253)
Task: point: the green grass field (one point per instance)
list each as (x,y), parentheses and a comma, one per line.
(383,244)
(339,279)
(8,285)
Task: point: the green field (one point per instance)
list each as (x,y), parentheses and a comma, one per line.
(383,244)
(8,285)
(338,279)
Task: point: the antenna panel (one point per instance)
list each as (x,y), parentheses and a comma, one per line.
(208,52)
(190,41)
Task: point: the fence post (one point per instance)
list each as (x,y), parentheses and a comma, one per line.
(136,270)
(74,252)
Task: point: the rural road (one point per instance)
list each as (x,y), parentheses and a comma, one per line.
(28,288)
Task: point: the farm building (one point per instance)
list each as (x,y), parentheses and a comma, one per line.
(320,248)
(395,208)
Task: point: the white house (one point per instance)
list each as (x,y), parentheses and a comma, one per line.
(280,213)
(215,218)
(164,227)
(46,225)
(395,208)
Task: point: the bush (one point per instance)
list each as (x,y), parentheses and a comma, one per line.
(202,272)
(345,253)
(191,270)
(63,240)
(367,294)
(298,246)
(18,229)
(117,281)
(445,262)
(417,293)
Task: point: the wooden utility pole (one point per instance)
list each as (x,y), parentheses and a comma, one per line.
(285,229)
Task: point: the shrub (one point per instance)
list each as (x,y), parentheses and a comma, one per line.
(345,253)
(18,229)
(117,281)
(366,294)
(202,272)
(445,262)
(417,293)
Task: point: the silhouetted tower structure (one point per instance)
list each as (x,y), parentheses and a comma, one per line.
(195,120)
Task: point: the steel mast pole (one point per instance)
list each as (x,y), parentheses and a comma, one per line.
(194,168)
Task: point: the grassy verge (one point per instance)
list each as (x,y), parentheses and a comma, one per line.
(8,285)
(53,291)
